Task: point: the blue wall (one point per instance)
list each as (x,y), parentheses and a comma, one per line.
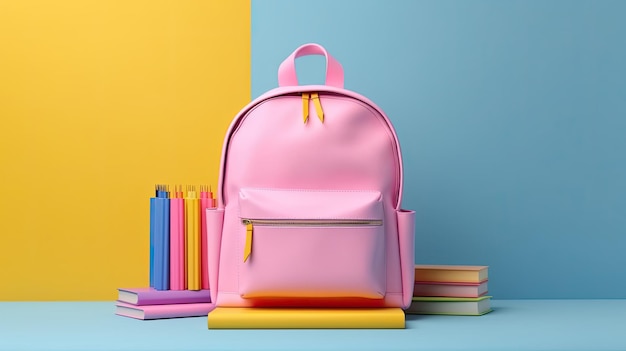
(512,120)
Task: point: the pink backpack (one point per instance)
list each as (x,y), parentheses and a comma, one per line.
(309,201)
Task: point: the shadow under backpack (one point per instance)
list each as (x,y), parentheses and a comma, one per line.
(309,201)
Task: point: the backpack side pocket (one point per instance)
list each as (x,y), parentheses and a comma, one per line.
(214,223)
(406,239)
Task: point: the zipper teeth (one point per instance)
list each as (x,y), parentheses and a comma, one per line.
(310,222)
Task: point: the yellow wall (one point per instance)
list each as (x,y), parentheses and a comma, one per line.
(100,100)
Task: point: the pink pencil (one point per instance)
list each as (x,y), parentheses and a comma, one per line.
(177,241)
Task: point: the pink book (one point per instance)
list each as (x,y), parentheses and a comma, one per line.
(177,243)
(206,201)
(151,296)
(448,289)
(163,311)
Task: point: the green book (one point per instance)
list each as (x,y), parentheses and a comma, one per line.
(457,306)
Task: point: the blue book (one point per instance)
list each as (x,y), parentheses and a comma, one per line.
(162,241)
(152,229)
(165,265)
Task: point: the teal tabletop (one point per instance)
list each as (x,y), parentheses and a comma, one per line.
(513,325)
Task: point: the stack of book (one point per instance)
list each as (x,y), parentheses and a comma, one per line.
(149,303)
(179,284)
(450,290)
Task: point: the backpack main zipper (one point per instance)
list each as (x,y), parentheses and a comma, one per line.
(306,97)
(222,196)
(250,223)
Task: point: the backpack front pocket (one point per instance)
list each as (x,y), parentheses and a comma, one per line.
(309,244)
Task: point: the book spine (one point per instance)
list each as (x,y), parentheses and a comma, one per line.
(192,223)
(447,276)
(152,238)
(177,244)
(205,203)
(164,311)
(168,297)
(161,244)
(260,318)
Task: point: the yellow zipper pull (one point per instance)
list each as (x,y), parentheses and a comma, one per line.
(318,106)
(248,247)
(305,106)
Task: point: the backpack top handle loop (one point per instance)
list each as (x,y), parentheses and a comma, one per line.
(287,70)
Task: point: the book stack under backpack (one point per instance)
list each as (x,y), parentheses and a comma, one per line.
(450,290)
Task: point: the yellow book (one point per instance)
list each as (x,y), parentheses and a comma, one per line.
(306,318)
(451,274)
(192,238)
